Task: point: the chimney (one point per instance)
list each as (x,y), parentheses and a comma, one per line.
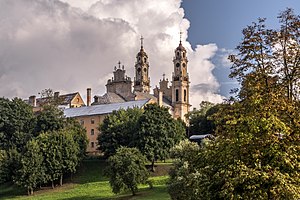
(160,98)
(32,101)
(88,96)
(56,95)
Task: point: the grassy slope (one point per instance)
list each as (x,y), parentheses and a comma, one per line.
(89,184)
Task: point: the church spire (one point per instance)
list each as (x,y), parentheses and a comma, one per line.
(180,83)
(142,79)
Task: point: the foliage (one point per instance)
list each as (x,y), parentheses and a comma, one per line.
(256,152)
(118,130)
(60,153)
(31,170)
(17,122)
(200,122)
(158,133)
(79,136)
(269,58)
(4,167)
(50,118)
(153,131)
(183,176)
(126,169)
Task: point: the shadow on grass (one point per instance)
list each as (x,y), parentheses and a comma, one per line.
(9,190)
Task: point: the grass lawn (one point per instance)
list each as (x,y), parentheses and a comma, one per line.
(89,183)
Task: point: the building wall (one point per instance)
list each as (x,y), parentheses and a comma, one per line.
(91,123)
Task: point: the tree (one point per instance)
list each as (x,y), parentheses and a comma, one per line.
(79,136)
(200,122)
(50,118)
(255,152)
(183,183)
(126,169)
(118,129)
(60,152)
(4,167)
(17,122)
(158,133)
(32,170)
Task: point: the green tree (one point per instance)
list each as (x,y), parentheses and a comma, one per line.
(118,129)
(61,154)
(158,133)
(79,136)
(32,170)
(17,122)
(126,169)
(4,167)
(200,122)
(256,152)
(50,118)
(183,183)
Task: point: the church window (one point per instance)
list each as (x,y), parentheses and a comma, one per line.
(183,65)
(183,54)
(177,65)
(139,70)
(92,131)
(92,121)
(178,54)
(177,95)
(145,70)
(184,95)
(145,59)
(92,144)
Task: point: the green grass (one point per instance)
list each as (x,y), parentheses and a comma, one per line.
(91,184)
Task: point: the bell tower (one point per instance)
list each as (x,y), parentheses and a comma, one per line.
(142,79)
(180,84)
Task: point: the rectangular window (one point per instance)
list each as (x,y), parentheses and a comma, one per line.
(92,144)
(184,96)
(82,122)
(92,121)
(177,95)
(92,131)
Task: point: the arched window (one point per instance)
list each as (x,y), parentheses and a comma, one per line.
(177,95)
(184,95)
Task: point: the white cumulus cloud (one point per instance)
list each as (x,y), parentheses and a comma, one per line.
(69,45)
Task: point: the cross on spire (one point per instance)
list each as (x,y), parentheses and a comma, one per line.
(164,75)
(180,35)
(119,64)
(142,39)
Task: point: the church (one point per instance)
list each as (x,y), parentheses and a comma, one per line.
(122,92)
(175,97)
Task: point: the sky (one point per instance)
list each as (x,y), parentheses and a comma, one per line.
(70,45)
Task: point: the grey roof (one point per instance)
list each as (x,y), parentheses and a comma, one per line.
(103,109)
(108,98)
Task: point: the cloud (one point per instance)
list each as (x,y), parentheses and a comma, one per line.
(70,45)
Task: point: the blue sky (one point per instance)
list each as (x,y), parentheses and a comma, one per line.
(221,22)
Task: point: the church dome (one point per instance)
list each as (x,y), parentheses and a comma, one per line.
(180,47)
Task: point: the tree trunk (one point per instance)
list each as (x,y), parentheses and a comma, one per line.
(61,180)
(152,165)
(132,191)
(31,191)
(28,192)
(52,184)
